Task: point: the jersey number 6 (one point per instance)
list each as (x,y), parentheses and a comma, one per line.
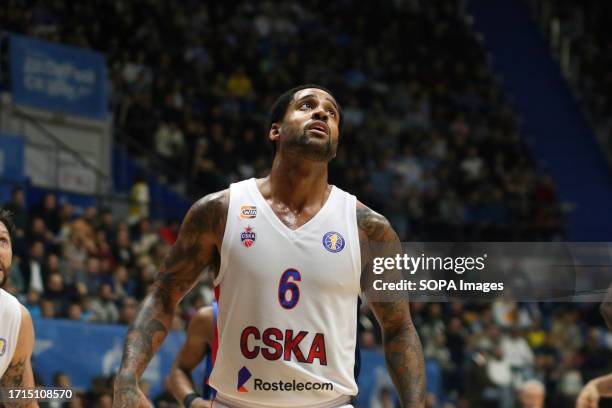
(287,288)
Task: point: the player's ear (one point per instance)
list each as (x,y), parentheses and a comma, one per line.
(274,133)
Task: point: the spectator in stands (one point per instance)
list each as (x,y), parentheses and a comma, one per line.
(170,144)
(499,375)
(206,176)
(596,359)
(48,211)
(145,238)
(517,353)
(91,278)
(103,306)
(140,200)
(56,292)
(129,309)
(107,225)
(62,380)
(47,309)
(75,312)
(17,207)
(38,232)
(140,123)
(32,269)
(169,231)
(66,214)
(532,395)
(122,250)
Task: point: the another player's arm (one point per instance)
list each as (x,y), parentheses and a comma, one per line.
(19,372)
(199,337)
(402,347)
(597,388)
(195,249)
(606,308)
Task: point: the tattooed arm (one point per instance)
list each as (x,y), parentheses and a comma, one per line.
(199,337)
(19,372)
(402,346)
(196,248)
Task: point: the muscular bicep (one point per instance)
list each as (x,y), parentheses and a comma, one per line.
(378,241)
(199,338)
(19,372)
(196,248)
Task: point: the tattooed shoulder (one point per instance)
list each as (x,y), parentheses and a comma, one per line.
(373,225)
(208,214)
(13,376)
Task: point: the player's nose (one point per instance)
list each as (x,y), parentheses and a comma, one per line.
(320,114)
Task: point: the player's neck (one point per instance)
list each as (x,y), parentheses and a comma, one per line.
(298,182)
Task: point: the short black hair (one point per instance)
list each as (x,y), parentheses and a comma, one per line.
(279,108)
(7,219)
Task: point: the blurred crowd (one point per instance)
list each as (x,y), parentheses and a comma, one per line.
(585,24)
(429,141)
(481,355)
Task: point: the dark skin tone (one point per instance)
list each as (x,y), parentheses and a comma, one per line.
(193,351)
(606,308)
(19,372)
(600,387)
(296,189)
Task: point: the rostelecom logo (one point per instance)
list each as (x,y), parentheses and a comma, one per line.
(243,376)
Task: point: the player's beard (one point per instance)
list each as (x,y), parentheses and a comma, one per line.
(298,141)
(4,272)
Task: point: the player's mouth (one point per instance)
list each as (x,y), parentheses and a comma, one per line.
(319,127)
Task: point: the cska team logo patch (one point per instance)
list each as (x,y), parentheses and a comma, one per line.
(248,237)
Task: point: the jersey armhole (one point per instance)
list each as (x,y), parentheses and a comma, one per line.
(355,246)
(18,319)
(225,243)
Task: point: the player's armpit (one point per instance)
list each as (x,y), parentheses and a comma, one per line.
(199,336)
(196,249)
(19,372)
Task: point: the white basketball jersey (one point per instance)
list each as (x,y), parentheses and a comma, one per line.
(10,322)
(287,324)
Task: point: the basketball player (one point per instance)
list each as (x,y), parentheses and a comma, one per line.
(197,345)
(16,329)
(289,251)
(596,389)
(600,387)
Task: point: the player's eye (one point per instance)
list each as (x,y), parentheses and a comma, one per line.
(332,112)
(4,242)
(307,105)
